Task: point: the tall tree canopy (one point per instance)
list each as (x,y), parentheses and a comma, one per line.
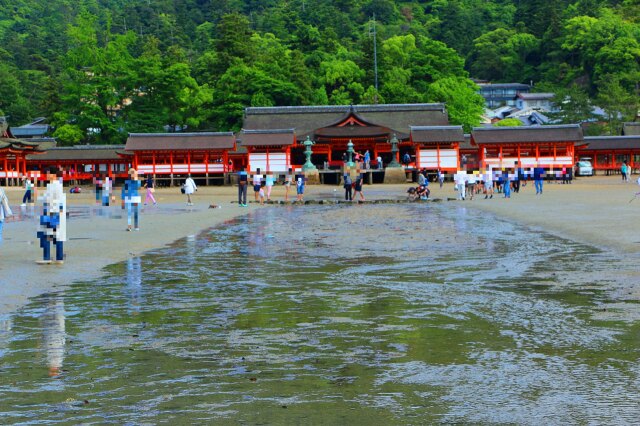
(100,69)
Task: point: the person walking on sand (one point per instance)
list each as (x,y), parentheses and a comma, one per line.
(243,183)
(151,188)
(97,185)
(440,177)
(538,176)
(257,184)
(131,199)
(189,188)
(629,172)
(269,184)
(288,178)
(623,171)
(300,186)
(460,180)
(348,186)
(471,185)
(106,190)
(488,183)
(507,184)
(28,188)
(53,220)
(5,210)
(357,188)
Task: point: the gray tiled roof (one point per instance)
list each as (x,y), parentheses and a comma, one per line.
(631,129)
(80,152)
(433,134)
(607,143)
(269,137)
(306,119)
(524,134)
(180,141)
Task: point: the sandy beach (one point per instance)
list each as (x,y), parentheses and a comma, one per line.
(592,210)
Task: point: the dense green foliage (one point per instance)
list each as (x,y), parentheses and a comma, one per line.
(98,69)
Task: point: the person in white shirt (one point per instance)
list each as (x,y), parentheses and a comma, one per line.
(471,184)
(460,180)
(189,188)
(257,184)
(53,220)
(488,183)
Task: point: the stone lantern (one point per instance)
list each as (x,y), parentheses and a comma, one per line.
(394,152)
(308,165)
(350,153)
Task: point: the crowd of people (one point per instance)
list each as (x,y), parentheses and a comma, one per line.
(467,184)
(263,185)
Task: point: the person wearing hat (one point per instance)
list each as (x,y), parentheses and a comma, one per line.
(131,199)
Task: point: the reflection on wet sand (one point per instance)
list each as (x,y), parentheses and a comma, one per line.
(53,333)
(383,315)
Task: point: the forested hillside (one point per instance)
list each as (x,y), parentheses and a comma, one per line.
(98,69)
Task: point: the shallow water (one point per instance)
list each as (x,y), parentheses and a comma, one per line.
(380,314)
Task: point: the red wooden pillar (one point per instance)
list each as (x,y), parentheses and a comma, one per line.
(171,162)
(268,162)
(153,162)
(288,156)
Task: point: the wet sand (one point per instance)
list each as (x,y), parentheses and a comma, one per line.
(594,211)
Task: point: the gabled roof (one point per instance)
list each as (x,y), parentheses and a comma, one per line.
(605,143)
(559,133)
(466,144)
(432,134)
(306,119)
(631,129)
(80,152)
(180,141)
(518,86)
(19,145)
(275,137)
(30,130)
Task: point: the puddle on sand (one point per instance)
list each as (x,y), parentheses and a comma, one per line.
(406,314)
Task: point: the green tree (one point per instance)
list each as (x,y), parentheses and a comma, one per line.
(508,122)
(619,104)
(68,134)
(573,106)
(502,54)
(341,80)
(464,105)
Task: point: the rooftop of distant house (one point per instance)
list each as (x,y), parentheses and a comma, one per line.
(535,96)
